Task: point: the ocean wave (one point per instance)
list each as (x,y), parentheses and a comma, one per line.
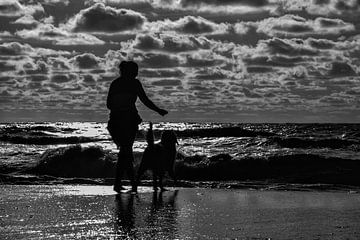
(76,161)
(218,132)
(40,135)
(295,168)
(40,138)
(294,142)
(93,162)
(29,128)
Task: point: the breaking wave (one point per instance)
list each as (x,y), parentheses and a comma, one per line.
(333,143)
(94,162)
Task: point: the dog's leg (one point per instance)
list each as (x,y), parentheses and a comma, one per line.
(140,172)
(161,182)
(155,181)
(172,175)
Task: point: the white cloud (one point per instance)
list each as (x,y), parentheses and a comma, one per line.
(204,6)
(53,2)
(168,42)
(188,25)
(350,8)
(13,8)
(59,36)
(5,34)
(295,26)
(26,20)
(86,61)
(104,19)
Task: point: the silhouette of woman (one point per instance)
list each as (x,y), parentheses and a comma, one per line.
(124,118)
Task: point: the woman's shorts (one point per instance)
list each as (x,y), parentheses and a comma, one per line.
(122,132)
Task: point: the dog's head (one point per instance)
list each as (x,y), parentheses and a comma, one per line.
(168,137)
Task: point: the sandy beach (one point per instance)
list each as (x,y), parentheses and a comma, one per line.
(93,212)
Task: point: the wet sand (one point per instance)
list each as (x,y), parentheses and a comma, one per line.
(96,212)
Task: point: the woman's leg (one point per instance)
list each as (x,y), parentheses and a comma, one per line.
(124,164)
(128,160)
(119,173)
(126,157)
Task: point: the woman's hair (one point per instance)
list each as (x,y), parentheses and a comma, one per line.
(129,68)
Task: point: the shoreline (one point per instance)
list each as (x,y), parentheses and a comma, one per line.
(265,185)
(81,211)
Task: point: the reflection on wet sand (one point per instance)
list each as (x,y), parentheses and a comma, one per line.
(125,214)
(81,212)
(136,217)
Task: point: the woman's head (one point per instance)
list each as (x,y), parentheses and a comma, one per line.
(128,69)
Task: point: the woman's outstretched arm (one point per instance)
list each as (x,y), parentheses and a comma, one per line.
(148,103)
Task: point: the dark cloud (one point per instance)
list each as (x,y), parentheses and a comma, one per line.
(341,69)
(161,73)
(10,7)
(86,61)
(14,48)
(321,43)
(148,42)
(289,47)
(88,79)
(38,77)
(58,63)
(274,61)
(321,2)
(101,18)
(347,5)
(294,28)
(334,100)
(39,68)
(353,92)
(203,59)
(167,82)
(194,25)
(158,60)
(5,67)
(62,78)
(196,62)
(168,43)
(258,69)
(250,93)
(210,75)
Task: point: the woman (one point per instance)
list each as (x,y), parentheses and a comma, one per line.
(124,118)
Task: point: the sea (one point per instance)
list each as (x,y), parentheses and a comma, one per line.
(23,145)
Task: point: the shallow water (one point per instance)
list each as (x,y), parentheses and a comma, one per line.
(73,211)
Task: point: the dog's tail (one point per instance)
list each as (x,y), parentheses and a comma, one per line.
(150,136)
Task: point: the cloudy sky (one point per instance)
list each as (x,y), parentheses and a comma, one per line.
(203,60)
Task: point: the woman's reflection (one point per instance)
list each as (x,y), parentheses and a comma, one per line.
(125,215)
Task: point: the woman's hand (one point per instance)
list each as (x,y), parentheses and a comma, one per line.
(162,112)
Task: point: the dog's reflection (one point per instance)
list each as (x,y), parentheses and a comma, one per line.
(163,211)
(135,218)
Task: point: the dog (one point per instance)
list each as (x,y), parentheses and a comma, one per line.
(159,157)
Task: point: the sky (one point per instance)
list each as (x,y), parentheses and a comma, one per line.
(202,60)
